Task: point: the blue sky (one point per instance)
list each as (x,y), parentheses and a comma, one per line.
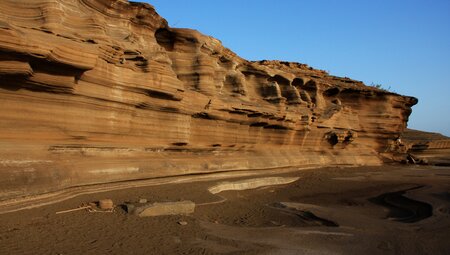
(402,44)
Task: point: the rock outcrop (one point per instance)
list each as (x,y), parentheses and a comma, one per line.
(98,91)
(426,148)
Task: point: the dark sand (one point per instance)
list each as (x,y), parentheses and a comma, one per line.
(365,210)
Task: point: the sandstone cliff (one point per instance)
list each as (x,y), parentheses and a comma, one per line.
(97,91)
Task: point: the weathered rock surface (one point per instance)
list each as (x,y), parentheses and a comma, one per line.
(98,91)
(251,183)
(161,208)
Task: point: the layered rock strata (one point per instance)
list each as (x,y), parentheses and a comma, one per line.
(98,91)
(426,148)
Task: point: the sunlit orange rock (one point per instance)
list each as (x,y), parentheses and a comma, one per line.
(97,91)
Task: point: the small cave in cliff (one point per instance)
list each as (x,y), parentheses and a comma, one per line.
(332,139)
(16,83)
(233,85)
(275,88)
(254,115)
(305,96)
(308,90)
(282,82)
(310,86)
(28,68)
(331,92)
(165,38)
(292,95)
(348,138)
(225,62)
(298,82)
(271,92)
(161,95)
(259,124)
(276,126)
(180,144)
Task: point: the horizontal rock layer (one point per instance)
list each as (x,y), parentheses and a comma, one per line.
(98,91)
(427,148)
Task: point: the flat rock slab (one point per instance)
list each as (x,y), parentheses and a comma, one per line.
(251,183)
(166,208)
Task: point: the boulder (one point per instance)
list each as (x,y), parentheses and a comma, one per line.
(164,208)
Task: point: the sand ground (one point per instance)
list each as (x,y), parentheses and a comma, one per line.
(364,210)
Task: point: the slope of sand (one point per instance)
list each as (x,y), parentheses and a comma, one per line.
(365,210)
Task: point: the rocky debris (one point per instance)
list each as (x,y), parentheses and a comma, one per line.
(94,90)
(251,183)
(106,204)
(182,223)
(161,208)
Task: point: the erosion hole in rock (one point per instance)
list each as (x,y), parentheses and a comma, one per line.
(223,59)
(310,86)
(226,62)
(271,90)
(276,126)
(291,94)
(230,83)
(161,95)
(165,38)
(298,82)
(348,138)
(259,124)
(331,92)
(280,80)
(305,96)
(332,139)
(180,144)
(254,115)
(234,85)
(202,115)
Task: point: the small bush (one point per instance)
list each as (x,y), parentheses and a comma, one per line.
(380,86)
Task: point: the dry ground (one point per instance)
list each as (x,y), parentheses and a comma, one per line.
(365,210)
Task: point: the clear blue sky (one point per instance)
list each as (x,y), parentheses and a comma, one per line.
(402,44)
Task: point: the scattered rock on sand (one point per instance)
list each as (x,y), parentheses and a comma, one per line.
(159,209)
(106,204)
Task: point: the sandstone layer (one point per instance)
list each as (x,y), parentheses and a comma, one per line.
(99,91)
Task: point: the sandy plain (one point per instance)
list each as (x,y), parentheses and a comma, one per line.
(393,209)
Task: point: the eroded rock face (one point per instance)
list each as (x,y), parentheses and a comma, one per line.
(96,91)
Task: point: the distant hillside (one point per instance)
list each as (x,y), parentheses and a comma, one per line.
(412,134)
(427,147)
